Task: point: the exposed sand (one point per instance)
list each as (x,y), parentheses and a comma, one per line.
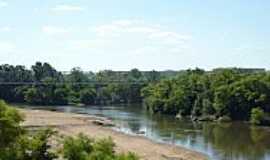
(72,124)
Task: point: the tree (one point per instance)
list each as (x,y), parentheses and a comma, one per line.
(153,76)
(227,92)
(135,74)
(45,70)
(87,96)
(33,96)
(61,95)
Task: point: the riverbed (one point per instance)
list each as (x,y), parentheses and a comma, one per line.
(220,141)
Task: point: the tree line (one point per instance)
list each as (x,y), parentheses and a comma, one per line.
(44,85)
(224,94)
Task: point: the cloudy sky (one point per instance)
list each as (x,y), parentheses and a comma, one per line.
(144,34)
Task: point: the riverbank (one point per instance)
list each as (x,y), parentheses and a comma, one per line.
(72,124)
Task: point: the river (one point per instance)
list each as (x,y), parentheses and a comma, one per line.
(226,141)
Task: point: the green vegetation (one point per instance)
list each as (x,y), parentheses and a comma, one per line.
(87,96)
(225,92)
(16,143)
(43,85)
(84,148)
(9,122)
(257,116)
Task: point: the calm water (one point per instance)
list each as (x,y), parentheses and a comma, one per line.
(234,141)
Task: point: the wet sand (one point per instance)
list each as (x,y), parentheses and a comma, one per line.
(73,124)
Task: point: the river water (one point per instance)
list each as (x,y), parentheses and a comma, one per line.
(226,141)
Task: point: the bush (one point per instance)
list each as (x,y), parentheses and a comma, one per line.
(9,125)
(34,147)
(84,148)
(17,144)
(77,148)
(257,116)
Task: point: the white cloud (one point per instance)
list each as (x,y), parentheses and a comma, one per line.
(169,35)
(133,37)
(53,30)
(67,8)
(5,29)
(3,4)
(249,49)
(151,32)
(6,47)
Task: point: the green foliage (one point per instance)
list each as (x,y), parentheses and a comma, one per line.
(46,86)
(103,150)
(9,126)
(237,99)
(42,71)
(128,156)
(17,144)
(47,95)
(176,95)
(32,95)
(87,96)
(77,148)
(77,76)
(34,147)
(9,73)
(227,92)
(257,116)
(84,148)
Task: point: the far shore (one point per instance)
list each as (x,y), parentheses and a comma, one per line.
(73,124)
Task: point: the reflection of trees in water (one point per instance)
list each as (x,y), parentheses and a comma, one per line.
(171,129)
(237,140)
(230,140)
(134,126)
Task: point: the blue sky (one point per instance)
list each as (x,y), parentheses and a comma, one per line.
(144,34)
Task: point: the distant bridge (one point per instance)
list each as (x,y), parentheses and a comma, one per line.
(96,83)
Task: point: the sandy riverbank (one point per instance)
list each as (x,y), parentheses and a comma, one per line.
(72,124)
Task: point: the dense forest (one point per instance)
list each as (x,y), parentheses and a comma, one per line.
(223,94)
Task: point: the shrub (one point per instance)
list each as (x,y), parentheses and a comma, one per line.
(84,148)
(257,116)
(34,147)
(16,143)
(9,125)
(77,148)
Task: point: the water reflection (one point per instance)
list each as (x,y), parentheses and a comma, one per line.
(237,140)
(230,141)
